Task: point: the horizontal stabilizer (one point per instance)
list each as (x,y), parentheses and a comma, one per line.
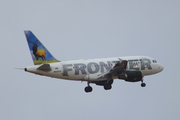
(44,67)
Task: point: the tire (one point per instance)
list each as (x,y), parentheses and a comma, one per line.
(88,89)
(107,87)
(143,84)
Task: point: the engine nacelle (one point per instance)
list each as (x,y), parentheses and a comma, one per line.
(132,76)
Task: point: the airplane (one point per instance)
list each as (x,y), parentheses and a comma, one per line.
(100,71)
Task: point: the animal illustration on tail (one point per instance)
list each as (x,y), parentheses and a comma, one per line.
(38,52)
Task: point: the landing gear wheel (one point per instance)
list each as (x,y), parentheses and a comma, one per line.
(110,82)
(88,89)
(143,84)
(107,86)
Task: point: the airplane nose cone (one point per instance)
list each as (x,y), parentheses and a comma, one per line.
(160,68)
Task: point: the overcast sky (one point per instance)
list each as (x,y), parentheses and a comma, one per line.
(78,29)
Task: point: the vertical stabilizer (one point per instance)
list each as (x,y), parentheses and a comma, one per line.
(39,53)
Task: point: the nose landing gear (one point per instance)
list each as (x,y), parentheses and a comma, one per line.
(143,84)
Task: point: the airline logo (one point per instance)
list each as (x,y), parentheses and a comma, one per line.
(94,67)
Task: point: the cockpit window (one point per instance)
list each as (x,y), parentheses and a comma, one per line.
(154,61)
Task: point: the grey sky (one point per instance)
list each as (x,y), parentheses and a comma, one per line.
(89,29)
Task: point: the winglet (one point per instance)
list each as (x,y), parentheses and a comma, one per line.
(39,53)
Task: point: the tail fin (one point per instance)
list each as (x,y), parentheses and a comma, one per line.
(39,53)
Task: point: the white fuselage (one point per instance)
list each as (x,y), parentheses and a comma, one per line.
(90,69)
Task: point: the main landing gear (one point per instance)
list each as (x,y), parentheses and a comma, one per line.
(107,86)
(88,88)
(106,83)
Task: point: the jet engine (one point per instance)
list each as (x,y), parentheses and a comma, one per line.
(131,76)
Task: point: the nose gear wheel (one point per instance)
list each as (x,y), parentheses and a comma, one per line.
(143,84)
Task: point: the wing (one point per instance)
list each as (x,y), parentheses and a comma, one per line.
(119,68)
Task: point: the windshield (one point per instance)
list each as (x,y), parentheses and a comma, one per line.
(154,61)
